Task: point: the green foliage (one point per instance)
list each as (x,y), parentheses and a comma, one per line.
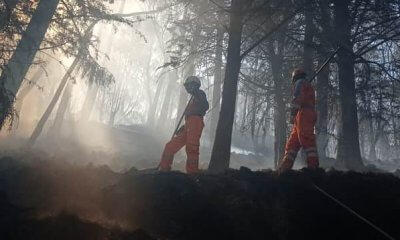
(93,72)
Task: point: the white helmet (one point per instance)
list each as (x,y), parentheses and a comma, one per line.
(192,79)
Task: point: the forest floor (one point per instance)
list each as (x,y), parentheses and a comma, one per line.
(48,199)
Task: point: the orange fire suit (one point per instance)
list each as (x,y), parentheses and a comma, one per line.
(304,119)
(189,135)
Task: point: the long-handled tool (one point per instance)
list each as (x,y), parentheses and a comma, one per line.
(325,63)
(155,169)
(181,118)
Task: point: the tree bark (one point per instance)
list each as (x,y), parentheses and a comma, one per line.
(54,100)
(308,53)
(62,108)
(111,120)
(253,117)
(13,75)
(167,99)
(222,145)
(322,111)
(153,107)
(265,127)
(308,42)
(373,139)
(323,81)
(152,115)
(5,17)
(280,124)
(93,88)
(148,81)
(152,119)
(88,104)
(216,97)
(348,144)
(244,113)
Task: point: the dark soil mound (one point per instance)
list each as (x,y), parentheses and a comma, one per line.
(256,205)
(47,200)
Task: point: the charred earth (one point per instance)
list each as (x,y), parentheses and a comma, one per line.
(46,199)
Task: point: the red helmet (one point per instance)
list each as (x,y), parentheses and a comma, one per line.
(298,72)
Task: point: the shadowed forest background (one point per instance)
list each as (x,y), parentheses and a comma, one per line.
(97,86)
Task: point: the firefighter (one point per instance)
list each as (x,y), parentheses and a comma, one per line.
(303,117)
(189,134)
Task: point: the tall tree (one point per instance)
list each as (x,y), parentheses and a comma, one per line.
(216,97)
(348,145)
(5,16)
(322,110)
(172,77)
(222,145)
(13,75)
(62,109)
(276,56)
(28,86)
(322,87)
(308,41)
(39,127)
(93,88)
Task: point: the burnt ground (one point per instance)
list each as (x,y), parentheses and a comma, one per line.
(47,199)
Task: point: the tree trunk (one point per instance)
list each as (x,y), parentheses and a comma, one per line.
(244,113)
(216,98)
(93,88)
(111,120)
(363,137)
(265,129)
(395,122)
(62,108)
(88,104)
(322,110)
(152,115)
(372,141)
(13,75)
(148,81)
(153,107)
(102,106)
(28,86)
(5,17)
(280,124)
(46,114)
(171,111)
(253,117)
(152,118)
(263,121)
(348,145)
(308,42)
(167,99)
(323,82)
(222,145)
